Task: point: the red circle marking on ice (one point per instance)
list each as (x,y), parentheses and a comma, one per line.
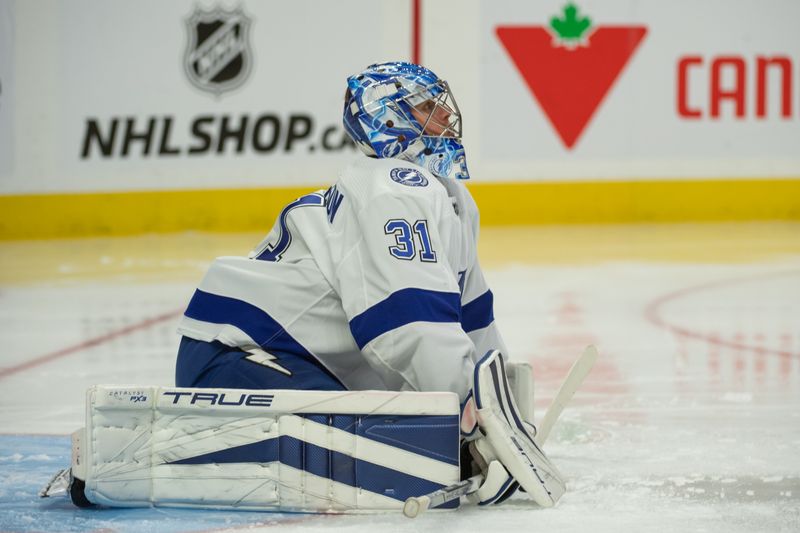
(651,313)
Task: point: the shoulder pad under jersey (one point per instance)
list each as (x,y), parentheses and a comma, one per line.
(371,177)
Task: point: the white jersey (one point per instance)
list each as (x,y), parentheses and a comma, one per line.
(377,278)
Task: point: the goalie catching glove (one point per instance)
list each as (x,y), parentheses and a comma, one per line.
(505,450)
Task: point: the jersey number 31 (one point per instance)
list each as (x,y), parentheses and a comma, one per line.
(405,247)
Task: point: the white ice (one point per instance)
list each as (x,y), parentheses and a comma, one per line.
(690,420)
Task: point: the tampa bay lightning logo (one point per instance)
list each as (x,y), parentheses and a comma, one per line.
(408,176)
(441,165)
(392,149)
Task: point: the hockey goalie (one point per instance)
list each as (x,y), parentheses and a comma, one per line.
(351,361)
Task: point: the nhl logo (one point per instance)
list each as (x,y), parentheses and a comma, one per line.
(218,56)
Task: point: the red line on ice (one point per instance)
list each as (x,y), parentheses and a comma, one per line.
(90,343)
(652,314)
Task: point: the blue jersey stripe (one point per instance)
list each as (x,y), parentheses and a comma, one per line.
(479,313)
(404,307)
(257,323)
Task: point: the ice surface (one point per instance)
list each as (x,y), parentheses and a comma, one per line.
(690,420)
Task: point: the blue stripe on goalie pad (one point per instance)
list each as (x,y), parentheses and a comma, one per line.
(354,472)
(434,436)
(264,451)
(324,463)
(431,436)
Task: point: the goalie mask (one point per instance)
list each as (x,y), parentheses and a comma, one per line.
(404,110)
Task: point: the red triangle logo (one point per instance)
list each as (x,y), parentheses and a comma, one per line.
(570,82)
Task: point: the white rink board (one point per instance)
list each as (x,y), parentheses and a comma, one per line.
(109,62)
(6,90)
(657,119)
(88,62)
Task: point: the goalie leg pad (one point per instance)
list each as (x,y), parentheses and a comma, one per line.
(310,451)
(511,441)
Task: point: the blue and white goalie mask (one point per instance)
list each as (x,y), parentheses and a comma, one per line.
(404,110)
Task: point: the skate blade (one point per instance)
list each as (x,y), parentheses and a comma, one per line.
(58,485)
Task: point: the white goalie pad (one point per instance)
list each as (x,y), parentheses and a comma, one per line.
(509,438)
(284,450)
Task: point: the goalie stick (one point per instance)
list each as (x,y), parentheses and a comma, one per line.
(416,505)
(580,369)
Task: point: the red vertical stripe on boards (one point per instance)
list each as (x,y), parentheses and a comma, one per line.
(416,28)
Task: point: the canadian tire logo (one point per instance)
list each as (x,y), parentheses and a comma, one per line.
(218,57)
(570,65)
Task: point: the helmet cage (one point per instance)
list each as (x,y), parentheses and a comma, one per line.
(436,103)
